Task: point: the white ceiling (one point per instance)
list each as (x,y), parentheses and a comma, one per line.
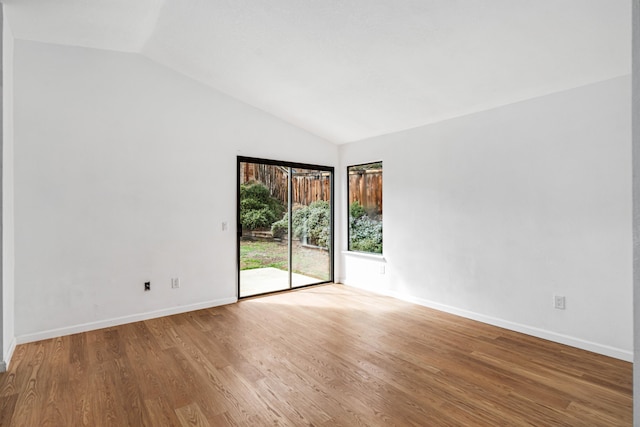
(351,69)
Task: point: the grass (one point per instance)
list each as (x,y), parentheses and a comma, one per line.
(262,254)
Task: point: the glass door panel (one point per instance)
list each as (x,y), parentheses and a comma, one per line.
(311,240)
(264,200)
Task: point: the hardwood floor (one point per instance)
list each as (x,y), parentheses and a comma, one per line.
(323,356)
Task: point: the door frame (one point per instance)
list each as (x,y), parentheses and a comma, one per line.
(331,170)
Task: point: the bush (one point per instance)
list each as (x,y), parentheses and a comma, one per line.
(311,222)
(280,228)
(257,208)
(365,234)
(256,218)
(356,210)
(317,223)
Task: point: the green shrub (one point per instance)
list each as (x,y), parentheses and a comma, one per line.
(311,222)
(365,234)
(256,218)
(280,228)
(257,208)
(318,223)
(356,210)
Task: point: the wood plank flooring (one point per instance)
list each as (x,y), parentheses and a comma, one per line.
(323,356)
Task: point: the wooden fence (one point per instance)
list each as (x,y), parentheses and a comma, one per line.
(310,187)
(365,186)
(272,177)
(307,186)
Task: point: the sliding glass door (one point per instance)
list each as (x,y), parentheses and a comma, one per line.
(285,225)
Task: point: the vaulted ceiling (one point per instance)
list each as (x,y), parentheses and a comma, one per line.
(352,69)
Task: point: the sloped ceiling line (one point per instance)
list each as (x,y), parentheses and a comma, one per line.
(350,70)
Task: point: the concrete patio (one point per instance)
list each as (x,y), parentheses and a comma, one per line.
(262,280)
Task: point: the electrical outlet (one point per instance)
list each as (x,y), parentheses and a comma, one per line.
(225,225)
(559,302)
(147,286)
(175,282)
(381,269)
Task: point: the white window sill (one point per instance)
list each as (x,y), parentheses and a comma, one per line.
(375,257)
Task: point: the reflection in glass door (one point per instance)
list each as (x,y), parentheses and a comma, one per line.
(285,233)
(311,224)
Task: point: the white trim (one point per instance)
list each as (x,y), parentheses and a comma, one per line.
(4,365)
(375,257)
(84,327)
(606,350)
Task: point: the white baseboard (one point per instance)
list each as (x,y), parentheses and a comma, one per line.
(513,326)
(84,327)
(4,364)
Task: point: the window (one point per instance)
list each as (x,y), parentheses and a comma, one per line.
(365,207)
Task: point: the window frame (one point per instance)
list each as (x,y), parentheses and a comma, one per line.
(349,250)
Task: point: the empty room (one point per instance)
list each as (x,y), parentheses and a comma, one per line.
(327,213)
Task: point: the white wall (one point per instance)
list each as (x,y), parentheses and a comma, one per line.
(491,214)
(8,291)
(124,172)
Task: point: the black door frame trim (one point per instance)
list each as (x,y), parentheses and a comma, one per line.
(331,169)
